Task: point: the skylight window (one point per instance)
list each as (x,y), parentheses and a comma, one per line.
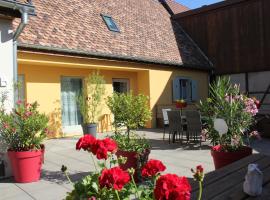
(110,23)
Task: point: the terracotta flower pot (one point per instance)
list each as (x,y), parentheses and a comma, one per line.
(181,104)
(134,160)
(222,159)
(26,165)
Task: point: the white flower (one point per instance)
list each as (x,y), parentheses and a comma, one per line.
(220,126)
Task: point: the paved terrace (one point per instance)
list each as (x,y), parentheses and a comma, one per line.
(178,158)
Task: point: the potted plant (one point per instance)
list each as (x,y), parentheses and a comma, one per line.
(90,102)
(132,112)
(23,130)
(181,103)
(228,115)
(135,149)
(111,182)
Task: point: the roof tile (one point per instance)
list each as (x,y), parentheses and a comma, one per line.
(146,30)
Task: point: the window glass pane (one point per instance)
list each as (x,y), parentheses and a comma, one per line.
(110,23)
(70,88)
(121,86)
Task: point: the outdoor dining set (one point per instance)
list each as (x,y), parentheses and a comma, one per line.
(184,125)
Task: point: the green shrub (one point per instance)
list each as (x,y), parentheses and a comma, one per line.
(130,111)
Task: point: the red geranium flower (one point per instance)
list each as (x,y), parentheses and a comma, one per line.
(114,178)
(152,167)
(199,168)
(99,149)
(172,187)
(110,145)
(217,148)
(85,142)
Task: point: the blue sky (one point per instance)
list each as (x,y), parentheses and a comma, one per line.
(196,3)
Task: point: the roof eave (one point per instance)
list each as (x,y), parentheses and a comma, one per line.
(99,55)
(208,8)
(14,9)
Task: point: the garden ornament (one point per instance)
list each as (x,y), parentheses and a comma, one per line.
(220,126)
(253,181)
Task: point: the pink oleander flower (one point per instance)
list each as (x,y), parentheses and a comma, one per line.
(251,106)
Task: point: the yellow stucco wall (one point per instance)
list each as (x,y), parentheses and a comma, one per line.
(43,75)
(161,86)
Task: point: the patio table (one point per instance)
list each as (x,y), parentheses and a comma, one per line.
(227,183)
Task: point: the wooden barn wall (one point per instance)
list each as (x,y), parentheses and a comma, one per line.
(236,37)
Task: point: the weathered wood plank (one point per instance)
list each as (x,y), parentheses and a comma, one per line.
(234,36)
(226,179)
(236,192)
(265,194)
(229,169)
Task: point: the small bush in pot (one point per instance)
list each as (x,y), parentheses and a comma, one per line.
(23,131)
(132,112)
(135,148)
(229,115)
(129,110)
(90,102)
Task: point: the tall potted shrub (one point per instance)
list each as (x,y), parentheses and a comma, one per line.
(130,111)
(23,130)
(229,115)
(90,102)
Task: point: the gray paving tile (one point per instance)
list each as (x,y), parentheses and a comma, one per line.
(11,191)
(178,158)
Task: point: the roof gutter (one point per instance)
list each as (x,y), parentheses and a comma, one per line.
(22,7)
(99,55)
(20,28)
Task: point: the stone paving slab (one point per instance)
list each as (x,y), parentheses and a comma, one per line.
(177,157)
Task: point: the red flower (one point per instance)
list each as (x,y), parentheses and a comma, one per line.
(217,148)
(172,187)
(152,167)
(114,178)
(99,149)
(86,142)
(110,144)
(198,175)
(199,168)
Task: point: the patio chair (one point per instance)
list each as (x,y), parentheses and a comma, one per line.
(165,119)
(175,126)
(194,125)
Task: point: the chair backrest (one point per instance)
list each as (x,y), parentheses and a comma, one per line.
(165,115)
(193,121)
(174,120)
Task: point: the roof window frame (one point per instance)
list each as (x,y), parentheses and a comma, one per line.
(104,17)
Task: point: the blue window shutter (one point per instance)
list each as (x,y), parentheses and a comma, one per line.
(194,90)
(176,88)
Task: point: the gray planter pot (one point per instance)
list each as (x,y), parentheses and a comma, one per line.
(90,129)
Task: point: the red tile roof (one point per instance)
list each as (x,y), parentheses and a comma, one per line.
(147,32)
(176,7)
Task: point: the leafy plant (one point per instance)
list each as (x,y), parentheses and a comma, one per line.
(237,110)
(133,143)
(110,182)
(131,111)
(24,128)
(90,100)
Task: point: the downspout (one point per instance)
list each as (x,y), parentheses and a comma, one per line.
(24,21)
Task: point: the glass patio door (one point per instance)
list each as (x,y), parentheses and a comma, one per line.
(71,116)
